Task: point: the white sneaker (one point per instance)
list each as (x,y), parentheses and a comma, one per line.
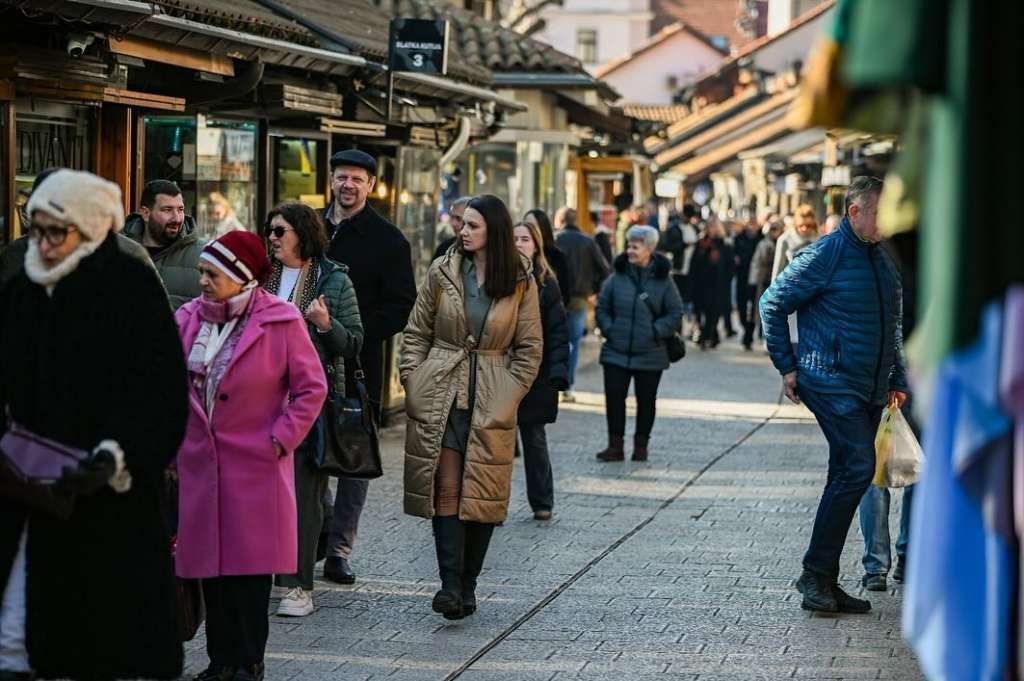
(296,603)
(568,397)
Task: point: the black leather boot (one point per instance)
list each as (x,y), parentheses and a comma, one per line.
(613,452)
(214,673)
(449,542)
(478,538)
(848,604)
(817,591)
(640,448)
(251,673)
(6,675)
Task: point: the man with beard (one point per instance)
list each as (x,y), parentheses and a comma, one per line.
(169,236)
(379,263)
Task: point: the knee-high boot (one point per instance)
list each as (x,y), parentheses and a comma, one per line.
(449,542)
(478,539)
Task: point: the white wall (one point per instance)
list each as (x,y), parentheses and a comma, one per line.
(644,79)
(621,25)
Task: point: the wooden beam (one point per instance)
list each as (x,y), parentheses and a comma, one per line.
(100,93)
(9,162)
(6,90)
(114,159)
(174,55)
(765,133)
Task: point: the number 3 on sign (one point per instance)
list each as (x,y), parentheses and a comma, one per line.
(417,60)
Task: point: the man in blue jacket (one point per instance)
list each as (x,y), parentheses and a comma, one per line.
(847,295)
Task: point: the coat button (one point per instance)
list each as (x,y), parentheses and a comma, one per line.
(223,397)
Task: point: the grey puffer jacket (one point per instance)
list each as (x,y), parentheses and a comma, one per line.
(177,263)
(634,339)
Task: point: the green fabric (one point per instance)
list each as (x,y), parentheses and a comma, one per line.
(477,304)
(345,337)
(177,264)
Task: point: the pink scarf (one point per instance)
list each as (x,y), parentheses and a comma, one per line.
(214,346)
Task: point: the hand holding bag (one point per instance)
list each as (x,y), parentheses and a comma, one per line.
(898,455)
(350,446)
(30,465)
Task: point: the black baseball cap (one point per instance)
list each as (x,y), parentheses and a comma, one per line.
(354,157)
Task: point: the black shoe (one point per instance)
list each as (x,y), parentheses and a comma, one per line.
(478,539)
(16,676)
(874,582)
(338,570)
(817,592)
(614,451)
(213,673)
(849,604)
(253,673)
(640,448)
(450,543)
(897,574)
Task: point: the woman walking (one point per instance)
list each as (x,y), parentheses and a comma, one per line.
(557,262)
(257,386)
(712,270)
(323,293)
(92,365)
(471,352)
(540,406)
(637,309)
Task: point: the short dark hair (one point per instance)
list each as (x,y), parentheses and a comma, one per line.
(544,222)
(308,225)
(154,187)
(861,186)
(503,263)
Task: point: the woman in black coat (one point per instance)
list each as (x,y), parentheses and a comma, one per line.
(559,264)
(93,363)
(711,271)
(540,406)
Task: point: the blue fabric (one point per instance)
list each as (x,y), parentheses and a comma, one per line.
(576,321)
(874,525)
(633,337)
(847,297)
(849,425)
(956,613)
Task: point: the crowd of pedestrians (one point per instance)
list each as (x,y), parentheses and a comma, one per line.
(210,390)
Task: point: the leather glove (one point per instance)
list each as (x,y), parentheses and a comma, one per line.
(93,473)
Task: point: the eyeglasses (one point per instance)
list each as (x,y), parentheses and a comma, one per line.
(55,236)
(278,231)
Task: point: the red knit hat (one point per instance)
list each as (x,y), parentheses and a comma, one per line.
(240,255)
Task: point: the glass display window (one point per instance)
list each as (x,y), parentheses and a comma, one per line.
(300,170)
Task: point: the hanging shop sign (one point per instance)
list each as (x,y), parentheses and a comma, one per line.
(419,45)
(835,176)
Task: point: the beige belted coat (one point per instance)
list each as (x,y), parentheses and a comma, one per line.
(434,366)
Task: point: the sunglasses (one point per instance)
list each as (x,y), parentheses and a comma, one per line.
(278,231)
(55,236)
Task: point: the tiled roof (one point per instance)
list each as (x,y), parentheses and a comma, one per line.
(659,113)
(710,17)
(652,42)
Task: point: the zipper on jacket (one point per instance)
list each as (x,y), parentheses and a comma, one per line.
(881,319)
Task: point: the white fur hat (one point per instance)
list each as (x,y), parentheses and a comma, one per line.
(82,199)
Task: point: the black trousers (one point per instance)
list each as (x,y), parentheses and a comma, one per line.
(616,387)
(236,619)
(540,484)
(746,301)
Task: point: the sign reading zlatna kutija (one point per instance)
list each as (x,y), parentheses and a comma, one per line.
(419,45)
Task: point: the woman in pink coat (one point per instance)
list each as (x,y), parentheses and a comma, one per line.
(256,387)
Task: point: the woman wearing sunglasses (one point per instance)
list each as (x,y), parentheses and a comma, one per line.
(322,291)
(256,387)
(93,366)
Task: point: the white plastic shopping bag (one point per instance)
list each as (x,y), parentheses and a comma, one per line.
(898,455)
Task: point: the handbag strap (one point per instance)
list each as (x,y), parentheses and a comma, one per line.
(654,315)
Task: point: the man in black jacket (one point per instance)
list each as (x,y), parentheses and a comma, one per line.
(590,269)
(745,245)
(380,266)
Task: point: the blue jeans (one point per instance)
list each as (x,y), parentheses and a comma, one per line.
(577,322)
(849,424)
(874,525)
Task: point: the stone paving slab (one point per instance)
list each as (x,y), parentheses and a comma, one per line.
(679,568)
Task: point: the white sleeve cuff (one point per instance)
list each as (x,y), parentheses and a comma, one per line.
(121,480)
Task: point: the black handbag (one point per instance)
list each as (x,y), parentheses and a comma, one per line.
(188,593)
(675,345)
(350,443)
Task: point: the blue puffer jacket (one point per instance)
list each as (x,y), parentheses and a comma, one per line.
(633,339)
(848,299)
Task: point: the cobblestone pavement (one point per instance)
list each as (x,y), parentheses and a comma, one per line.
(679,568)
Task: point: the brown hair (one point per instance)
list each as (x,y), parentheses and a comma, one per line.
(308,225)
(541,267)
(503,263)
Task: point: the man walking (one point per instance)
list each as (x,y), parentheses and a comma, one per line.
(590,269)
(169,236)
(847,294)
(380,266)
(745,245)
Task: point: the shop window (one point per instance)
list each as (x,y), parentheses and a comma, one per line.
(213,161)
(49,135)
(299,170)
(586,45)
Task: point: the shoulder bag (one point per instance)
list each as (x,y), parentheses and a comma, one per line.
(30,464)
(350,445)
(675,345)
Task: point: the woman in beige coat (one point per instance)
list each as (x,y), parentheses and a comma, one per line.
(471,352)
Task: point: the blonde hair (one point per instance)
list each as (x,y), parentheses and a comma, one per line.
(804,216)
(541,265)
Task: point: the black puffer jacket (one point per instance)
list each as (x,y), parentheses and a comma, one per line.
(541,404)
